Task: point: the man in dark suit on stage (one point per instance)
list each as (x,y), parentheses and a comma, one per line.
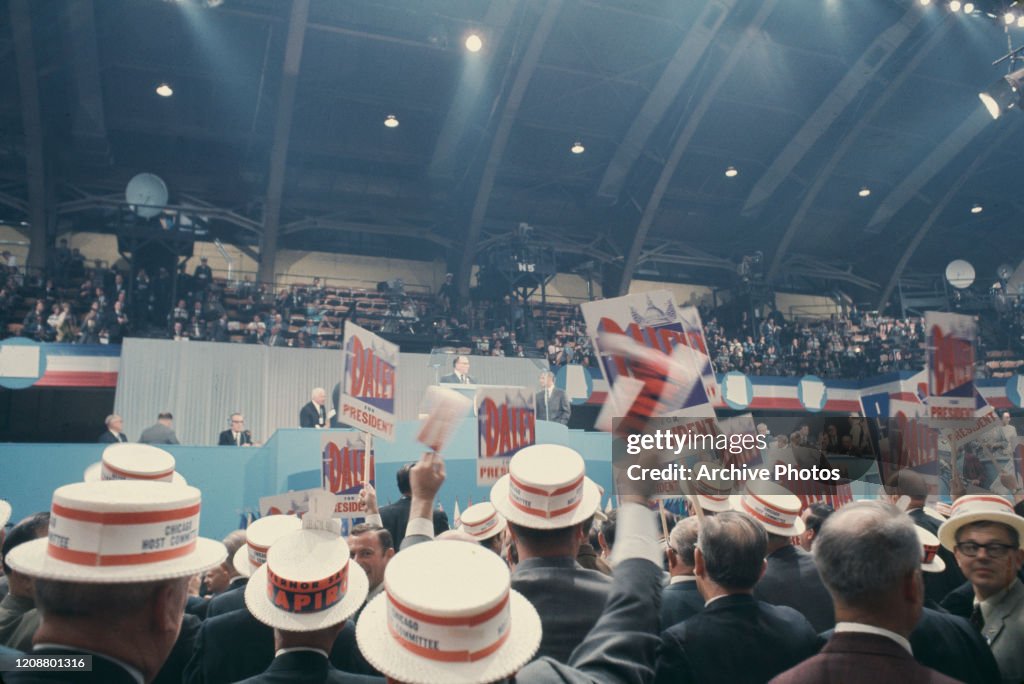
(736,638)
(460,374)
(161,432)
(314,414)
(681,599)
(113,434)
(552,403)
(394,517)
(869,557)
(236,435)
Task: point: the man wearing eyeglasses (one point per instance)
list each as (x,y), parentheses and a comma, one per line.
(986,537)
(236,435)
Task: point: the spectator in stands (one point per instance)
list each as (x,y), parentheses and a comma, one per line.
(34,326)
(113,433)
(203,276)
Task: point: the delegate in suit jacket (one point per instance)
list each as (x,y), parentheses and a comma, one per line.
(107,437)
(453,379)
(558,409)
(1004,631)
(309,416)
(307,667)
(228,601)
(680,601)
(158,434)
(227,438)
(568,598)
(395,517)
(791,579)
(950,645)
(735,639)
(857,658)
(938,584)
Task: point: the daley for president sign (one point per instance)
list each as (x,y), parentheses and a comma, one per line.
(369,382)
(506,422)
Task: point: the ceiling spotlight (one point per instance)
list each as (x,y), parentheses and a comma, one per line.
(977,209)
(1004,94)
(391,121)
(1009,18)
(864,192)
(164,90)
(474,42)
(954,6)
(1020,22)
(925,3)
(731,172)
(968,7)
(577,148)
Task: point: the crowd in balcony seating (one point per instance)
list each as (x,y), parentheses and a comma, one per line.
(92,306)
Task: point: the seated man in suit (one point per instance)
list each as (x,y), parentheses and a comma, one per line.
(113,433)
(161,432)
(987,538)
(736,638)
(870,560)
(394,517)
(681,599)
(460,373)
(236,435)
(568,597)
(552,403)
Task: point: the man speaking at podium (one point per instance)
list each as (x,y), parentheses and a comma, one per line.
(552,403)
(461,374)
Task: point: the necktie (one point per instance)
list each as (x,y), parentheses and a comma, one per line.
(322,417)
(463,379)
(238,439)
(977,618)
(547,408)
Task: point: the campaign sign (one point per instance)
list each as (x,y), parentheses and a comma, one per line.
(297,503)
(950,364)
(506,422)
(368,382)
(344,464)
(652,320)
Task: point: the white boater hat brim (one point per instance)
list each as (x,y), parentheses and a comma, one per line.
(715,506)
(386,655)
(588,506)
(797,527)
(94,473)
(240,561)
(926,538)
(259,603)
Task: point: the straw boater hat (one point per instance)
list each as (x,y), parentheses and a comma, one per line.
(448,615)
(481,521)
(308,583)
(126,461)
(930,560)
(775,507)
(258,538)
(5,512)
(712,493)
(546,488)
(119,532)
(977,508)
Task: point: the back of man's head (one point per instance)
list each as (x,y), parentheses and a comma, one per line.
(402,479)
(32,527)
(817,514)
(865,553)
(682,540)
(733,546)
(557,543)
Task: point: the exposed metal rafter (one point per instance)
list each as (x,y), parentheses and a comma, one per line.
(282,132)
(825,173)
(848,89)
(694,119)
(947,196)
(940,157)
(88,124)
(501,135)
(329,224)
(665,91)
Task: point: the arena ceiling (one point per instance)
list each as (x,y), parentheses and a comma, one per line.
(809,100)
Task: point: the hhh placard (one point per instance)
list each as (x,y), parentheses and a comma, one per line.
(506,422)
(369,382)
(346,466)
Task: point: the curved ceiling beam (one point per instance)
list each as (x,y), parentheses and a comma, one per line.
(471,85)
(845,92)
(662,95)
(947,196)
(693,120)
(508,115)
(927,169)
(825,173)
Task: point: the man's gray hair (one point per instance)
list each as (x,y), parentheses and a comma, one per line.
(864,550)
(683,539)
(734,546)
(84,600)
(110,419)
